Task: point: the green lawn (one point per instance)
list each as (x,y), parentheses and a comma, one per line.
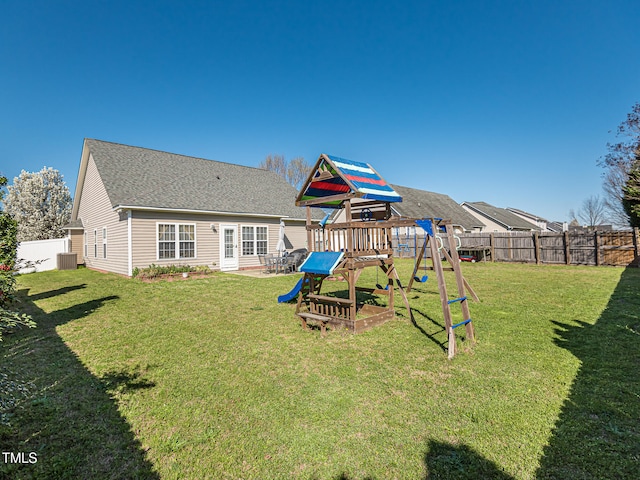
(212,378)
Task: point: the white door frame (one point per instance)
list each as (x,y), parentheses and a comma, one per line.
(229,262)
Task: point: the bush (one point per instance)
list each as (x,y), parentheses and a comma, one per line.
(9,319)
(154,271)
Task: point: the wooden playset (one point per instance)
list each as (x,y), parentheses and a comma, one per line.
(361,236)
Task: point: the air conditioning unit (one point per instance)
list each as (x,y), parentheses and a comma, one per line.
(67,261)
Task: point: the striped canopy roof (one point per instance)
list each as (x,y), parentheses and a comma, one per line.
(340,179)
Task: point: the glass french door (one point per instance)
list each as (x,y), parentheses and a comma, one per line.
(228,247)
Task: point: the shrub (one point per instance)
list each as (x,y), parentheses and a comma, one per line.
(9,319)
(154,271)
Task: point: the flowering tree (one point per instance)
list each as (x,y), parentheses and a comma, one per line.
(40,203)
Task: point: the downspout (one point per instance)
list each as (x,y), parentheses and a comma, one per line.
(129,245)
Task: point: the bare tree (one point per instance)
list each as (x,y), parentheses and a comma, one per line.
(618,162)
(276,164)
(592,212)
(295,171)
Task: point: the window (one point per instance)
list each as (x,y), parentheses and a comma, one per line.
(254,241)
(248,241)
(261,240)
(104,242)
(187,241)
(95,243)
(86,244)
(172,246)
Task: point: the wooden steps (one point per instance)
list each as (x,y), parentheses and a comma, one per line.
(314,317)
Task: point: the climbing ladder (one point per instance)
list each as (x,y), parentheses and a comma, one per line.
(429,226)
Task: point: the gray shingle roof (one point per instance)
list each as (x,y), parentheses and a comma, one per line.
(73,225)
(423,204)
(140,177)
(500,215)
(526,214)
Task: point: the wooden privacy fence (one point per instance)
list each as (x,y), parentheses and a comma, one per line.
(619,248)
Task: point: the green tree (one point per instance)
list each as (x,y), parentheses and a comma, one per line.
(631,194)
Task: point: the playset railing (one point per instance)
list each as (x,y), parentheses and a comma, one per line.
(356,240)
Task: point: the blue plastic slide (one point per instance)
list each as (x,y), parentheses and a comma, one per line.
(287,297)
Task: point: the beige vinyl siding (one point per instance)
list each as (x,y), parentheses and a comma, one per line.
(77,245)
(144,232)
(295,233)
(96,213)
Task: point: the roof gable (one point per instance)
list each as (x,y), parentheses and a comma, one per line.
(336,179)
(136,177)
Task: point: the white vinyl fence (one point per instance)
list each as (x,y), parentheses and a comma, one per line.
(43,251)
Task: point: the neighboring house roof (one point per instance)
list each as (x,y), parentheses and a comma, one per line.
(558,227)
(140,178)
(334,177)
(530,216)
(504,217)
(423,204)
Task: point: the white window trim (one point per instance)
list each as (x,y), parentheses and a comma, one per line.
(177,241)
(95,243)
(86,244)
(104,243)
(255,240)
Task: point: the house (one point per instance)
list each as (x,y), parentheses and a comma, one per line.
(498,219)
(423,204)
(541,223)
(134,207)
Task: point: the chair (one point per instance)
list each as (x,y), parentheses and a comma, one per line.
(301,255)
(291,262)
(270,263)
(263,263)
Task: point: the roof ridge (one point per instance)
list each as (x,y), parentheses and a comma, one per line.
(176,154)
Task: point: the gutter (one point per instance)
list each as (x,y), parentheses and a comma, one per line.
(119,208)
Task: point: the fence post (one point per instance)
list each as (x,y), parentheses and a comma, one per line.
(492,246)
(636,247)
(596,242)
(536,247)
(567,249)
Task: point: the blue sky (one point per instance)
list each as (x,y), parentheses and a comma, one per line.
(506,102)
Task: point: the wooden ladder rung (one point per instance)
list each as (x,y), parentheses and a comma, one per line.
(313,316)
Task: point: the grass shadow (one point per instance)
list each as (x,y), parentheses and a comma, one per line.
(51,293)
(597,434)
(68,418)
(459,462)
(430,336)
